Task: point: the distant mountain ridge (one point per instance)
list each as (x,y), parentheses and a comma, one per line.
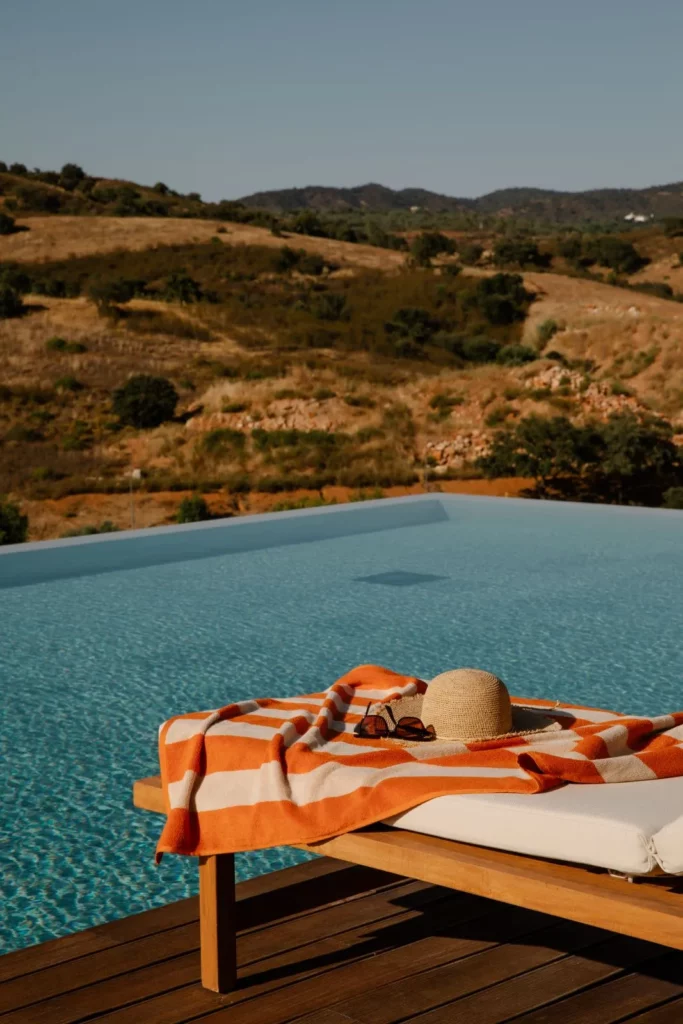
(533,203)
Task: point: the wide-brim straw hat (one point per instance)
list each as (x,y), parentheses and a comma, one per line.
(471,706)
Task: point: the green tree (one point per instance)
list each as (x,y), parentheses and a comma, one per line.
(545,449)
(70,176)
(502,298)
(145,401)
(13,525)
(193,510)
(108,294)
(609,251)
(519,252)
(638,460)
(429,244)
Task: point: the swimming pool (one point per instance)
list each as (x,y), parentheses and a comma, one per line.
(101,639)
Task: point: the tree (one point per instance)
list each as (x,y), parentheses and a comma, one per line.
(19,169)
(161,188)
(543,448)
(609,251)
(308,223)
(410,330)
(502,298)
(7,224)
(145,401)
(638,460)
(519,252)
(13,525)
(193,510)
(429,244)
(70,175)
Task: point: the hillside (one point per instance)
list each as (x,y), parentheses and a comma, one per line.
(306,369)
(543,205)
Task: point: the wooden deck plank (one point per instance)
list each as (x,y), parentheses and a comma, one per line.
(358,946)
(546,989)
(668,1013)
(300,882)
(354,980)
(491,965)
(611,1002)
(156,964)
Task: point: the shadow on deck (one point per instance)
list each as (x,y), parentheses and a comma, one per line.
(330,943)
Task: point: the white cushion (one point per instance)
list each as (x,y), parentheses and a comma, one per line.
(631,828)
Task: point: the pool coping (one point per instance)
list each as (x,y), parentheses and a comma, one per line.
(40,561)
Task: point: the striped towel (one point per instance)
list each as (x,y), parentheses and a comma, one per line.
(285,771)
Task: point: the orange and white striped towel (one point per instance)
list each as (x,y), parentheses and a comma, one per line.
(284,771)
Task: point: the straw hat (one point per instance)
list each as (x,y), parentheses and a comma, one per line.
(470,705)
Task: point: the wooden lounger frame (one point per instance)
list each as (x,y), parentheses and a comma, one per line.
(652,911)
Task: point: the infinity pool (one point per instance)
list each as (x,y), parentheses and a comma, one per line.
(101,640)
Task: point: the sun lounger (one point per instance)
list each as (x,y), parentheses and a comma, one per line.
(512,848)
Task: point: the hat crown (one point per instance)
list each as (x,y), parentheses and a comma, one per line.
(467,703)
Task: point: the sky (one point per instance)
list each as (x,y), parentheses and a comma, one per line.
(229,97)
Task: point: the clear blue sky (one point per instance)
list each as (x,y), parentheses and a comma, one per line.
(227,97)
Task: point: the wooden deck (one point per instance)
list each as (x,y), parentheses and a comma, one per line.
(329,943)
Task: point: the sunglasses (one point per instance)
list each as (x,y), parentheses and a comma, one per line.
(409,728)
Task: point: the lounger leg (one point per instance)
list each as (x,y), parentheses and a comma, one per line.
(217,922)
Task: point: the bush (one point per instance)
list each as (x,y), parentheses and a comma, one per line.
(323,393)
(107,294)
(10,303)
(519,252)
(609,251)
(428,245)
(13,525)
(547,330)
(515,355)
(502,298)
(471,253)
(106,526)
(145,401)
(673,497)
(193,510)
(56,344)
(330,306)
(7,224)
(183,288)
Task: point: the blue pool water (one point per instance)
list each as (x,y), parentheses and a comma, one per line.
(571,602)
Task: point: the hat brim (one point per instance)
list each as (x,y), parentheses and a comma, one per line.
(526,721)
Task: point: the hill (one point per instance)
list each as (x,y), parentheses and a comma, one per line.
(544,205)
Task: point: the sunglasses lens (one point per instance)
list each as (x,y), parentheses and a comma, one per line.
(372,725)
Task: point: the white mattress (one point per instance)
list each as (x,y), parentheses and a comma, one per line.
(631,828)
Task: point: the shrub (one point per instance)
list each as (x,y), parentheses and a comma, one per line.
(223,440)
(609,251)
(673,497)
(498,415)
(322,393)
(547,330)
(145,401)
(56,344)
(360,401)
(556,356)
(13,525)
(106,526)
(502,298)
(479,350)
(428,245)
(193,510)
(183,288)
(235,406)
(519,252)
(10,303)
(107,294)
(515,355)
(471,253)
(7,224)
(330,306)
